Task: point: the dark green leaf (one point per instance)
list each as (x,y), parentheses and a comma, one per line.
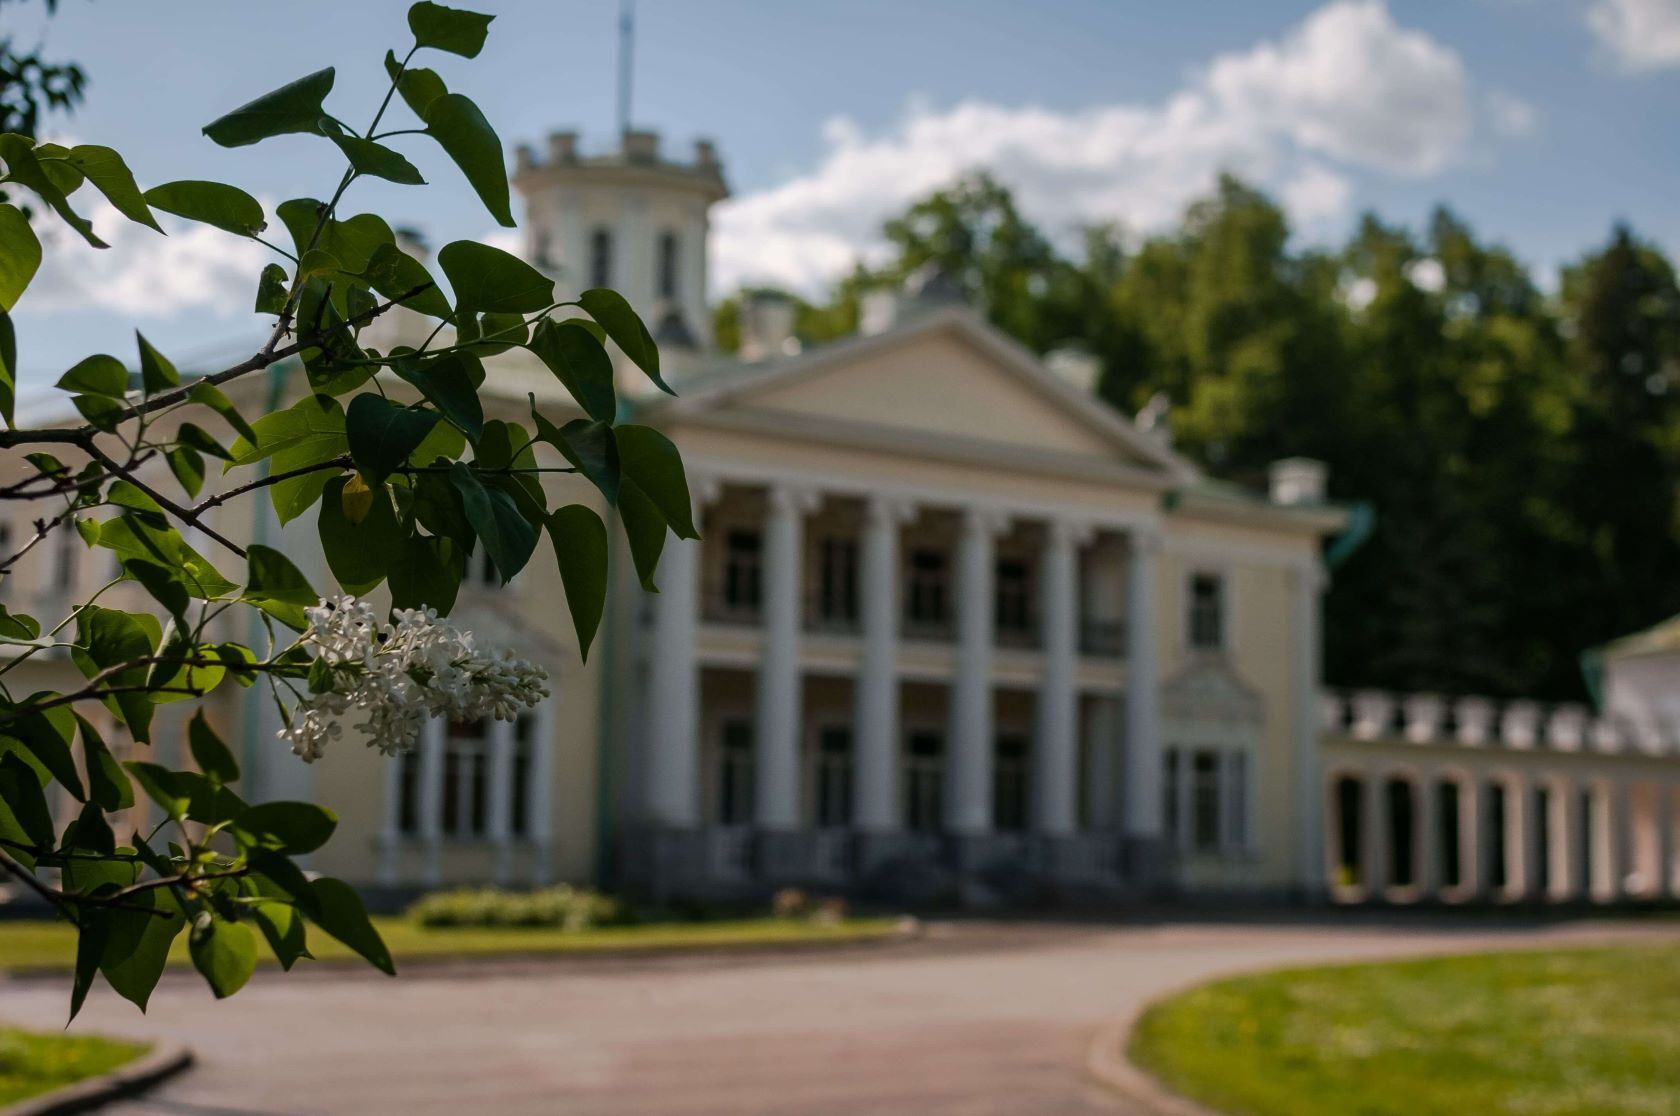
(90,947)
(24,813)
(625,327)
(107,638)
(383,434)
(20,255)
(45,735)
(421,575)
(377,160)
(342,915)
(274,583)
(164,583)
(51,180)
(489,279)
(291,108)
(108,786)
(467,138)
(293,828)
(8,367)
(162,787)
(208,751)
(188,466)
(395,274)
(309,432)
(97,375)
(648,461)
(111,177)
(644,527)
(90,832)
(193,435)
(224,952)
(417,86)
(284,929)
(507,535)
(137,948)
(138,536)
(588,446)
(358,553)
(451,29)
(580,364)
(210,203)
(580,548)
(447,384)
(156,373)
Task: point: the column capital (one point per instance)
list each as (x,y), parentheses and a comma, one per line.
(796,498)
(1145,539)
(984,521)
(704,488)
(889,511)
(1074,532)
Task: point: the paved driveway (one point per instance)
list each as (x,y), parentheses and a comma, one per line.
(975,1019)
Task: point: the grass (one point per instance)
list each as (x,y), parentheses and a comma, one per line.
(41,946)
(1558,1033)
(32,1063)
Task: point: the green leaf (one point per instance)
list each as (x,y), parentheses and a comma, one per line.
(588,446)
(281,924)
(451,29)
(211,396)
(210,203)
(162,787)
(163,583)
(489,279)
(418,87)
(208,751)
(271,290)
(377,160)
(24,813)
(422,575)
(467,138)
(309,432)
(395,274)
(51,180)
(20,255)
(358,553)
(90,947)
(8,367)
(293,828)
(507,535)
(195,436)
(644,527)
(107,785)
(272,579)
(291,108)
(111,177)
(127,494)
(45,737)
(342,915)
(224,952)
(580,363)
(383,434)
(580,548)
(97,375)
(156,373)
(137,536)
(447,384)
(188,466)
(137,948)
(107,637)
(625,327)
(648,461)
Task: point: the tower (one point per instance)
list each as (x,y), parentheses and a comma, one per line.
(630,220)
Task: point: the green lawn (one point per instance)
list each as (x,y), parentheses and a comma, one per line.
(43,946)
(1580,1032)
(32,1063)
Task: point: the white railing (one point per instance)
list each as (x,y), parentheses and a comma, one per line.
(1475,722)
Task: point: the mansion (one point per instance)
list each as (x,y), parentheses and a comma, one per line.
(956,631)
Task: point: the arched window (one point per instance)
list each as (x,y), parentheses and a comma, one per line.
(600,258)
(670,257)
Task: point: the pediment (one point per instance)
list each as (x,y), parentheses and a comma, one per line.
(950,377)
(1207,690)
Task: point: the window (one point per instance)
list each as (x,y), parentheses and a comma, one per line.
(522,773)
(481,571)
(601,258)
(838,589)
(1206,808)
(1204,801)
(925,602)
(669,259)
(1169,788)
(834,777)
(1013,596)
(735,773)
(1009,784)
(466,781)
(466,775)
(66,559)
(1207,612)
(924,779)
(742,570)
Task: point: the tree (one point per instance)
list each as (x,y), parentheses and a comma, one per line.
(393,454)
(31,85)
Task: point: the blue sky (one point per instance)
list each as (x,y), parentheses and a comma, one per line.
(1541,121)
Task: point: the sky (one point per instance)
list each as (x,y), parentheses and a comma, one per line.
(1541,122)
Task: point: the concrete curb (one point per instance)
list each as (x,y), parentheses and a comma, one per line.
(163,1061)
(1105,1060)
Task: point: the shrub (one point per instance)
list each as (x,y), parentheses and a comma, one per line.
(563,907)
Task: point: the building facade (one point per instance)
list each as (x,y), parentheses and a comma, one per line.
(956,630)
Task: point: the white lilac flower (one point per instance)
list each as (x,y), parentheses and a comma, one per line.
(400,674)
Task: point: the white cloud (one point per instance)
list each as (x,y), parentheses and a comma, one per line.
(142,274)
(1346,90)
(1510,116)
(1639,34)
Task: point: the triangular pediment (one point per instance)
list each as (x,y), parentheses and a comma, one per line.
(948,377)
(1207,689)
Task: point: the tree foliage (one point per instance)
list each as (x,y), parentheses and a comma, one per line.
(408,481)
(1521,450)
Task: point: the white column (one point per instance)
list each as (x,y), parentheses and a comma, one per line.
(500,822)
(776,742)
(539,809)
(431,800)
(1143,716)
(1102,730)
(875,743)
(1427,870)
(1308,761)
(1375,817)
(1056,746)
(673,690)
(390,822)
(1668,884)
(968,772)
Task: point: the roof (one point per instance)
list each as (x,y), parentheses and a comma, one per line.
(1662,639)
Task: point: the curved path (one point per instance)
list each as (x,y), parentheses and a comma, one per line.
(974,1019)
